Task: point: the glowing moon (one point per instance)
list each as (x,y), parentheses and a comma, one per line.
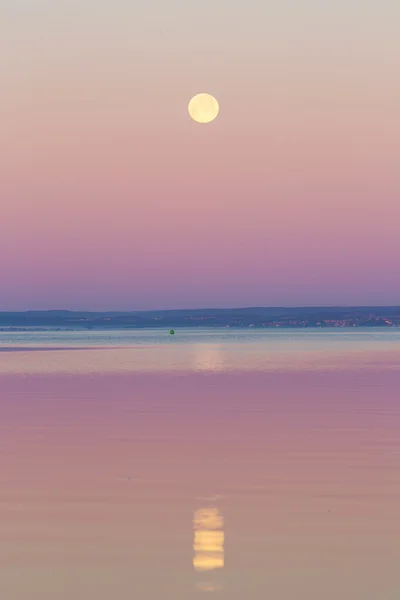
(203,108)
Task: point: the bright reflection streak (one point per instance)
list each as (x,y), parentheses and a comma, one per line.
(208,544)
(208,357)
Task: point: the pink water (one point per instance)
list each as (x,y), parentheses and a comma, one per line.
(289,479)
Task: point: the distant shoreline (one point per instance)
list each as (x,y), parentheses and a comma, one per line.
(257,317)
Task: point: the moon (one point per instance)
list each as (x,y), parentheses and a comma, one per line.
(203,108)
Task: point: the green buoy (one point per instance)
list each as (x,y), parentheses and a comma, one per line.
(172,332)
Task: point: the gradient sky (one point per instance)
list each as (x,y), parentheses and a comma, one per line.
(112,198)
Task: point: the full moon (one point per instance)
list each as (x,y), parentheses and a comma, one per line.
(203,108)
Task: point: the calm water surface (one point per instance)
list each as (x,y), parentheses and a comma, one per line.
(258,464)
(196,350)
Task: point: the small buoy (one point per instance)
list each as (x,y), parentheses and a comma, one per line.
(172,332)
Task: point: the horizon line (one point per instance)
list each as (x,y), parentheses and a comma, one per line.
(305,306)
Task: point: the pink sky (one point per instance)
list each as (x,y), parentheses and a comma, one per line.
(112,198)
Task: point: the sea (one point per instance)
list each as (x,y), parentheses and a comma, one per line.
(236,463)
